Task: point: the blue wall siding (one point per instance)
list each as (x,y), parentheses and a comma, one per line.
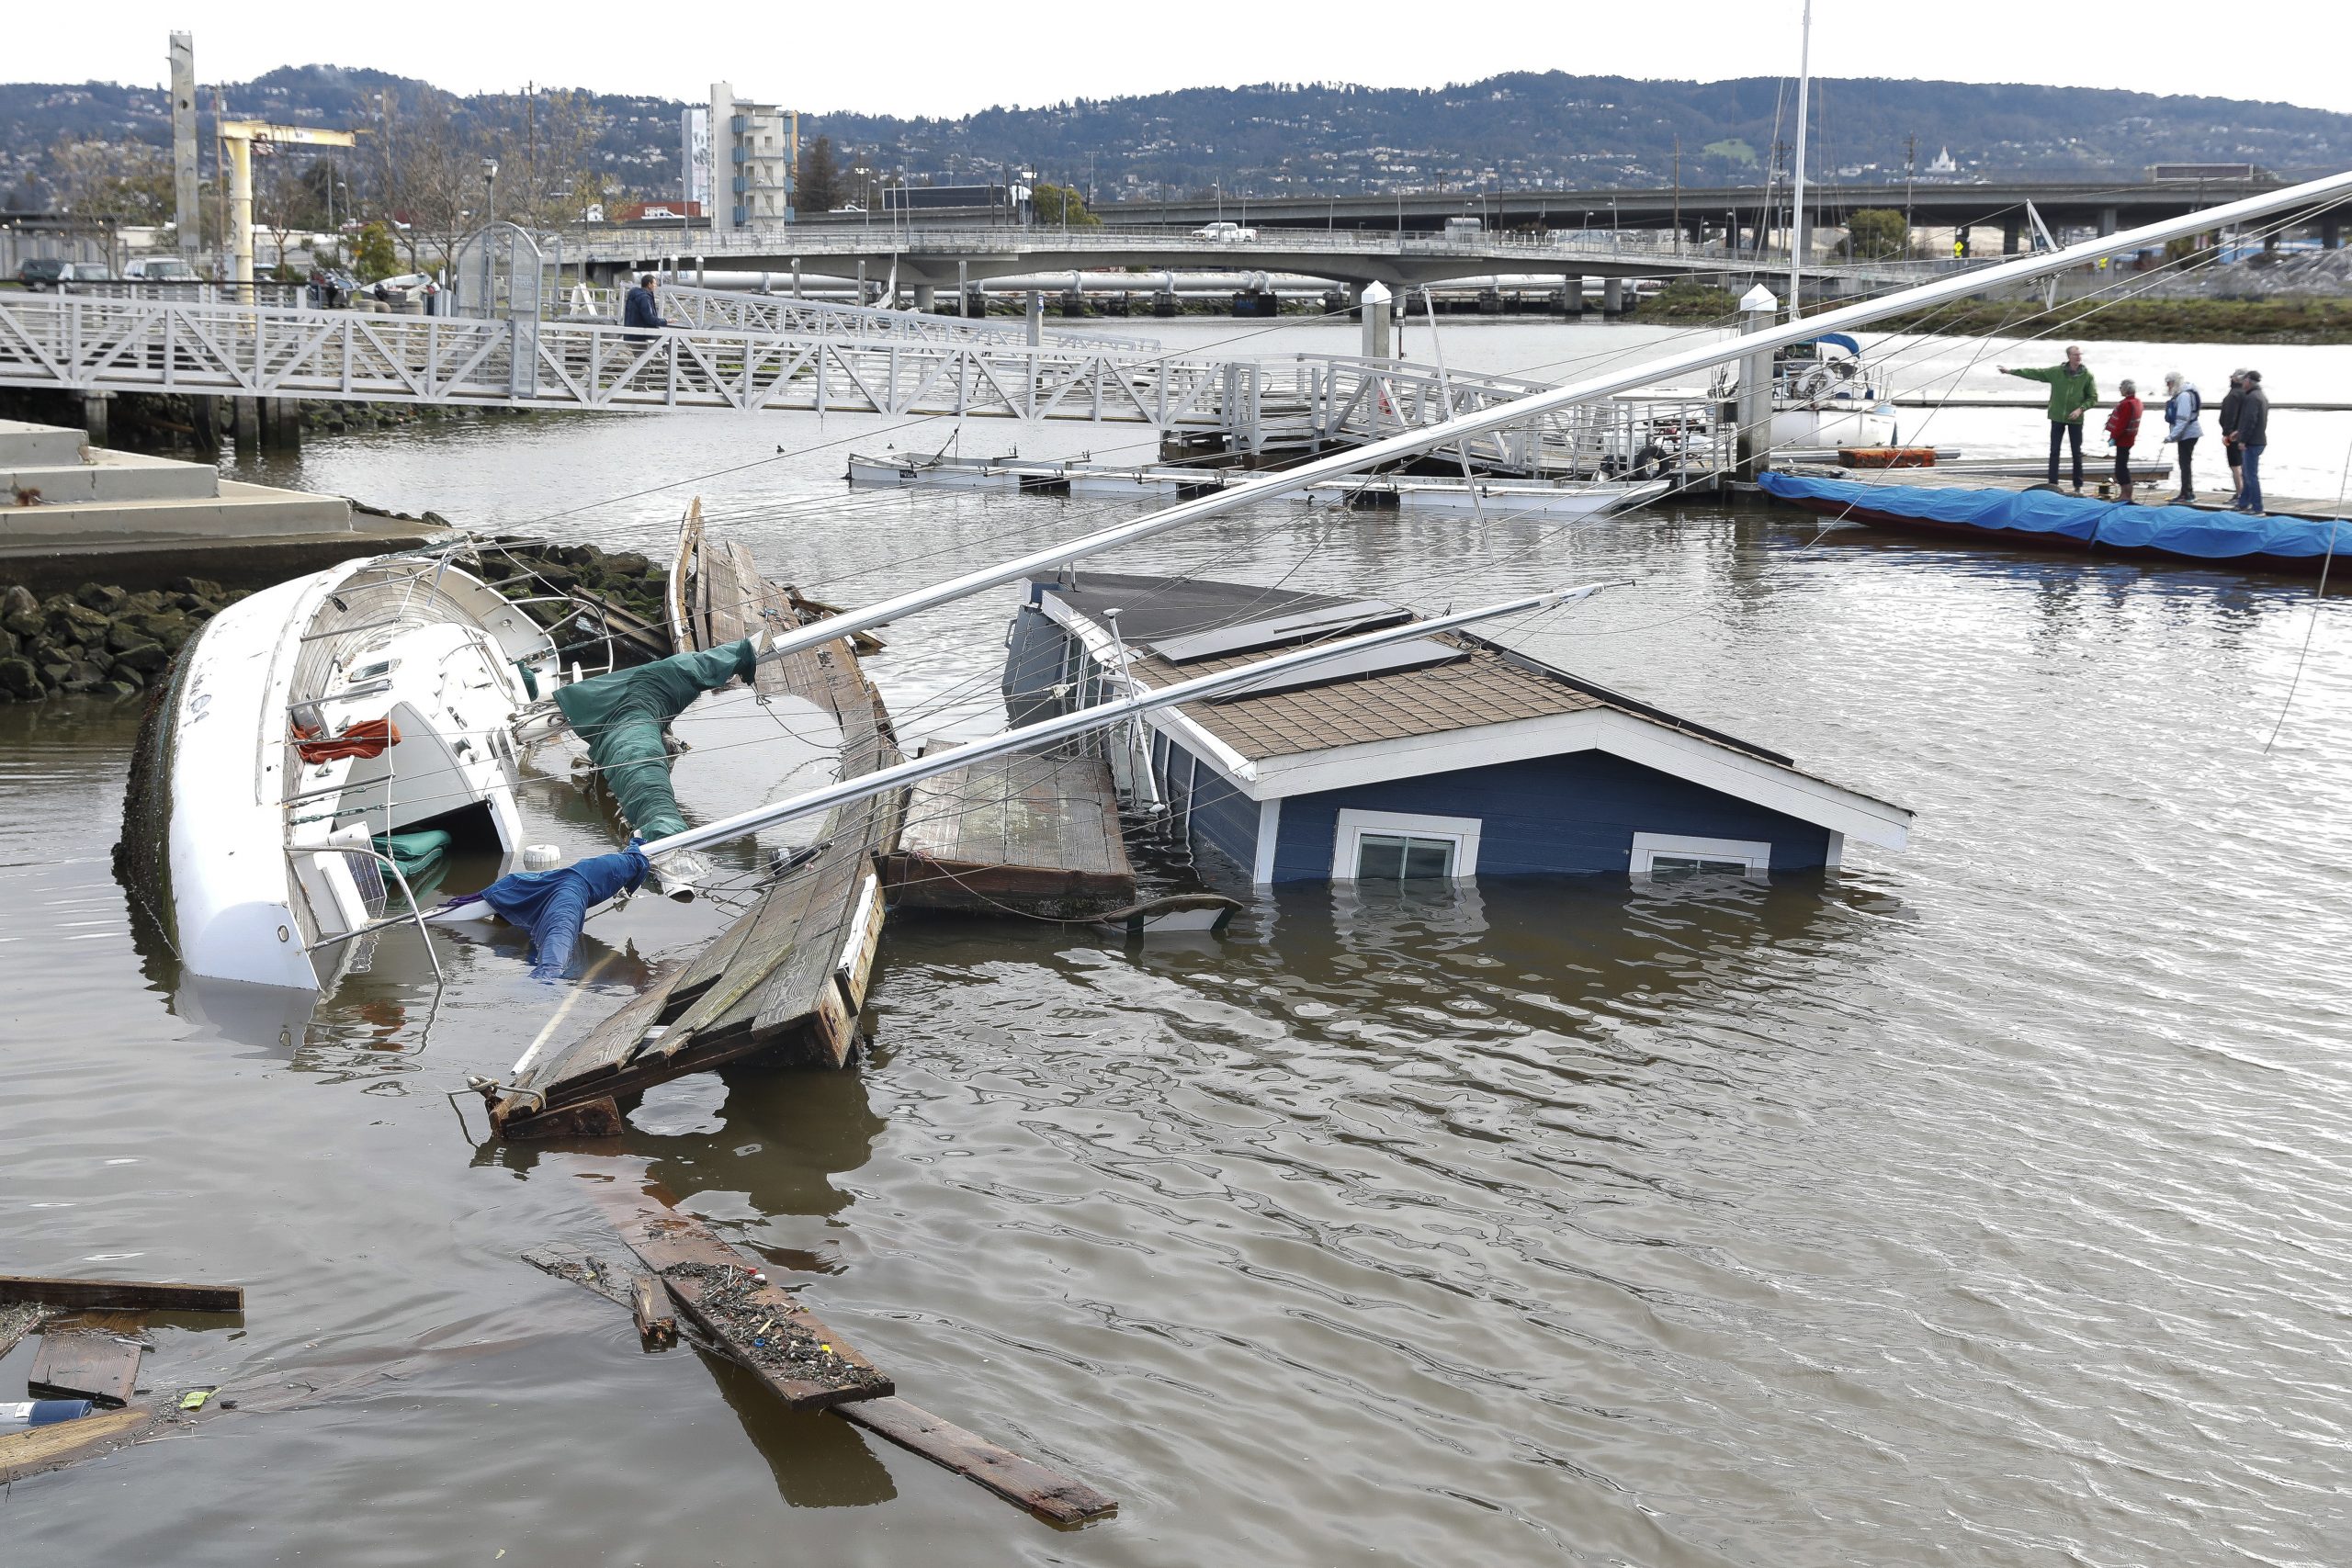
(1224,819)
(1573,813)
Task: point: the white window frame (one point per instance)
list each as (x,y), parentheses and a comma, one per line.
(1347,843)
(1757,854)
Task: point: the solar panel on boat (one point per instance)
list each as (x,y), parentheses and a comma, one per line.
(1417,654)
(1329,620)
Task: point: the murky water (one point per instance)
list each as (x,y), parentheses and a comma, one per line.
(1990,1204)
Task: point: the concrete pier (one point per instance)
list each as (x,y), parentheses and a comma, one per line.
(1612,297)
(1572,296)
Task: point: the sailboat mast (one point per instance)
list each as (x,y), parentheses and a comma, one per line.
(1796,202)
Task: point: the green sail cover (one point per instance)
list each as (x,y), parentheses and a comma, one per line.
(620,716)
(416,853)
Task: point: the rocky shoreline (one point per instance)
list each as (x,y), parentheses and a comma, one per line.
(104,641)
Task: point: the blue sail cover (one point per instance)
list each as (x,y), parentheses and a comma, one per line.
(2174,530)
(552,905)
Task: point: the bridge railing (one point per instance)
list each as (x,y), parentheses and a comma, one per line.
(734,310)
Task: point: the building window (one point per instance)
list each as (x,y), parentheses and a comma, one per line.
(1678,854)
(1397,846)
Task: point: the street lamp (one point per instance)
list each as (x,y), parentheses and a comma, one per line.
(489,190)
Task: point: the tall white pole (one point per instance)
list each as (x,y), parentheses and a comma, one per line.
(1796,200)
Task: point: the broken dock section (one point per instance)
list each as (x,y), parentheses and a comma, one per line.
(1032,833)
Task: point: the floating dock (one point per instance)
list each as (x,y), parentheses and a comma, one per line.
(1032,833)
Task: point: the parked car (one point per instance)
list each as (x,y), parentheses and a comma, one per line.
(161,269)
(73,273)
(1230,233)
(39,273)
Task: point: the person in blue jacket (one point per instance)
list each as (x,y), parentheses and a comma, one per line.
(641,310)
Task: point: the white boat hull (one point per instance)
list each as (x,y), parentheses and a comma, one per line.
(269,856)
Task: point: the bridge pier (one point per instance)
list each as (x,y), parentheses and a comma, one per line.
(245,415)
(1073,303)
(1612,297)
(204,417)
(93,407)
(281,424)
(1572,297)
(2106,222)
(2012,236)
(1164,303)
(975,303)
(2331,234)
(1036,315)
(926,298)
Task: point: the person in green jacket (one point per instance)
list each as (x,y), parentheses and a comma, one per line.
(2072,392)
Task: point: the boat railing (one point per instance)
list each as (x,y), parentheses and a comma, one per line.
(416,913)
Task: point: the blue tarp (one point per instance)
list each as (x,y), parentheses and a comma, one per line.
(552,905)
(2175,530)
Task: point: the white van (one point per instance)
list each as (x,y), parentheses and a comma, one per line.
(161,269)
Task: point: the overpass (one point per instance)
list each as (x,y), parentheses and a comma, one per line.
(1709,215)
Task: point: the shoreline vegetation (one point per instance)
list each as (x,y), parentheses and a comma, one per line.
(2300,319)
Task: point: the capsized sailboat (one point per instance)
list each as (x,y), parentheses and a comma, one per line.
(304,729)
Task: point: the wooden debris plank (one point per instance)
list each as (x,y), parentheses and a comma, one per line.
(1058,1497)
(726,591)
(857,965)
(79,1364)
(773,925)
(126,1296)
(557,1077)
(809,1366)
(1030,831)
(776,613)
(62,1442)
(626,625)
(718,955)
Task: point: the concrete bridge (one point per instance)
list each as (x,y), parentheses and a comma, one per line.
(927,261)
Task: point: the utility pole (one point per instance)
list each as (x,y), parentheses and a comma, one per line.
(185,202)
(1910,176)
(1678,193)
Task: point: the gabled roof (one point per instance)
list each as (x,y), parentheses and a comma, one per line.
(1488,704)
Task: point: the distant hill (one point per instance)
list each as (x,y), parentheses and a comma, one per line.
(1513,130)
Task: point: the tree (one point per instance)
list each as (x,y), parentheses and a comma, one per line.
(1877,231)
(129,182)
(1061,207)
(372,255)
(819,181)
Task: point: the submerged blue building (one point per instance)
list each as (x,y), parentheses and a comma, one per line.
(1445,756)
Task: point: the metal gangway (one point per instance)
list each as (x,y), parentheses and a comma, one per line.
(821,358)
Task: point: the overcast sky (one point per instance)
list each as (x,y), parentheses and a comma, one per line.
(919,57)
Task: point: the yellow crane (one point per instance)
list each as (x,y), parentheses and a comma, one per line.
(239,136)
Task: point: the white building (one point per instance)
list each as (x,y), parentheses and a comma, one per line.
(754,149)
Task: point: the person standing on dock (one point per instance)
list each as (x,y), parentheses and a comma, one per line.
(2232,406)
(640,309)
(2253,435)
(2123,430)
(2183,403)
(2072,392)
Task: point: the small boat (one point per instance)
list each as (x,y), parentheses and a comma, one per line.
(2049,519)
(304,729)
(1825,397)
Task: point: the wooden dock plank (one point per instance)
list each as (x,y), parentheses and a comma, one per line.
(729,1298)
(1055,1496)
(81,1364)
(123,1295)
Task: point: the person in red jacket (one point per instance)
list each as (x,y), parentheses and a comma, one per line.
(2123,429)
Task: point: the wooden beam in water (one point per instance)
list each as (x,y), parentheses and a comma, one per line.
(127,1295)
(1047,1492)
(62,1442)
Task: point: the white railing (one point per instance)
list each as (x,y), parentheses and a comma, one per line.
(734,310)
